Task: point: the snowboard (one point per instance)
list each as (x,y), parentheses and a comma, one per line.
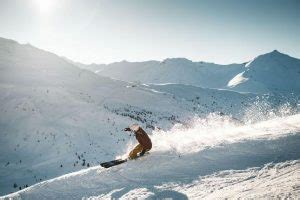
(113,163)
(118,161)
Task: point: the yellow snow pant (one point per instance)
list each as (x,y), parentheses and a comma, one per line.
(138,149)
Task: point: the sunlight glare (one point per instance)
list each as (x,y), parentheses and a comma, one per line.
(45,6)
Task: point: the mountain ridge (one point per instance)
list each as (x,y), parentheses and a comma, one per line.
(267,73)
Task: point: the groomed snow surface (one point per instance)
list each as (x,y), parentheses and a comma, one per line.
(211,158)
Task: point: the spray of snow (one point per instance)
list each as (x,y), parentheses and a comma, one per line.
(261,120)
(261,110)
(216,130)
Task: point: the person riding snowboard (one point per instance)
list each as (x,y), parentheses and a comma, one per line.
(145,143)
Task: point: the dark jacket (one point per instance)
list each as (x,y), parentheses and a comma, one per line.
(143,138)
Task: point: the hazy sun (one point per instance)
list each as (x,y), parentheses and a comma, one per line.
(45,6)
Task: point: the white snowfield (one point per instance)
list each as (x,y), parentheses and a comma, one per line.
(208,142)
(251,161)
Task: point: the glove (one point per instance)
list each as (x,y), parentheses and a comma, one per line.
(127,129)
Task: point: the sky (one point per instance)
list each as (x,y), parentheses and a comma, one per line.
(95,31)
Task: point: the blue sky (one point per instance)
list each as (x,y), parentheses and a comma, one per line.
(220,31)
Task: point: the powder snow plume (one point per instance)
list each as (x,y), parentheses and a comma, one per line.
(215,130)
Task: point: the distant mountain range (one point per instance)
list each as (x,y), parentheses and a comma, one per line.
(271,72)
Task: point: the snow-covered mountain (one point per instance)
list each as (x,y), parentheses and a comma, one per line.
(57,118)
(271,72)
(175,70)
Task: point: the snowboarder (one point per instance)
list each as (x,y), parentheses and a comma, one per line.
(145,143)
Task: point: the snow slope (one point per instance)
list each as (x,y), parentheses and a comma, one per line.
(255,161)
